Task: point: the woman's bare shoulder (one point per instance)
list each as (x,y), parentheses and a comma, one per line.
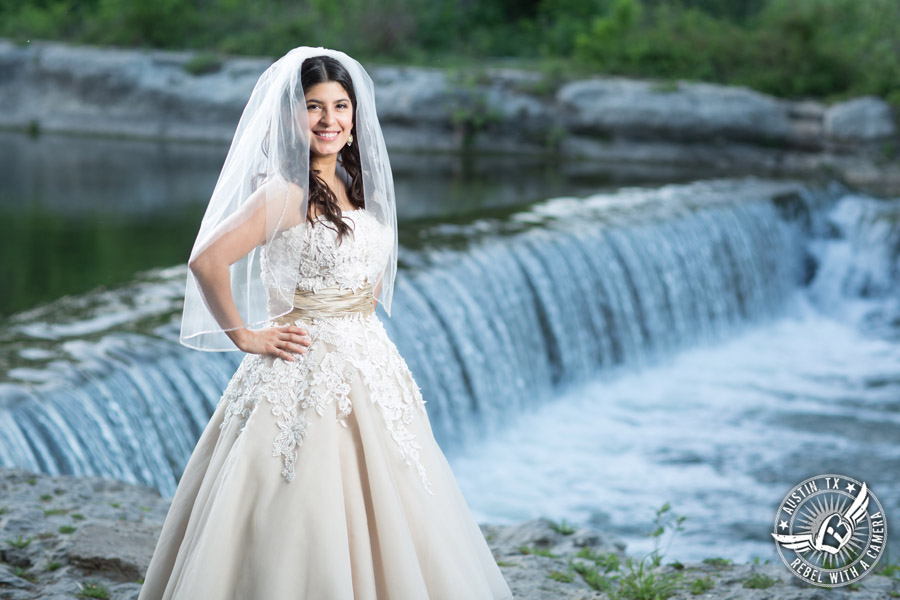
(280,188)
(283,199)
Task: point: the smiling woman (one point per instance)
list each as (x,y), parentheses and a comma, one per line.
(318,475)
(330,120)
(330,102)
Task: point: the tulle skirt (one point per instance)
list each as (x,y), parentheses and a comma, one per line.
(354,521)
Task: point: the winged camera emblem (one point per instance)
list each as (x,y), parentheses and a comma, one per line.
(839,526)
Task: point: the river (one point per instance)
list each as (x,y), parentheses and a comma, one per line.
(633,338)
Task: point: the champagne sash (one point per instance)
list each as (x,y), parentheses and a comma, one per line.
(329,302)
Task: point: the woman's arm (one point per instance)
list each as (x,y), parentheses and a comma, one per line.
(242,232)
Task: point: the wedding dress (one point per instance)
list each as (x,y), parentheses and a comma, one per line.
(320,478)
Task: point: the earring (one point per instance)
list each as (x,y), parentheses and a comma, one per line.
(350,140)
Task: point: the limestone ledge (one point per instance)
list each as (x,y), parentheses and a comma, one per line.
(61,533)
(55,87)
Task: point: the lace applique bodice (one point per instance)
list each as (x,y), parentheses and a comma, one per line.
(345,349)
(359,258)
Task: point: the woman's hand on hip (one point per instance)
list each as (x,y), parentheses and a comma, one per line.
(277,341)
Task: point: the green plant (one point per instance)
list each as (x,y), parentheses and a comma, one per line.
(562,528)
(642,579)
(22,573)
(31,481)
(46,497)
(506,563)
(537,551)
(759,581)
(55,511)
(19,542)
(887,568)
(607,560)
(67,529)
(470,110)
(203,63)
(664,521)
(719,563)
(560,576)
(93,590)
(892,571)
(797,48)
(53,565)
(554,137)
(593,577)
(116,504)
(77,516)
(702,585)
(544,86)
(3,510)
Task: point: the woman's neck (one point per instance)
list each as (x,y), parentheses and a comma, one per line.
(326,166)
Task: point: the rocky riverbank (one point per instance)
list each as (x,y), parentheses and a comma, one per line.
(187,96)
(66,537)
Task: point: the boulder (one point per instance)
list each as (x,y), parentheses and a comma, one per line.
(620,107)
(120,550)
(863,119)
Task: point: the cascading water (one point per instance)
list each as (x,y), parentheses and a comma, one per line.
(542,331)
(591,284)
(857,245)
(548,297)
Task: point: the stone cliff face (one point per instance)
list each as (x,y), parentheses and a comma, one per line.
(65,537)
(181,96)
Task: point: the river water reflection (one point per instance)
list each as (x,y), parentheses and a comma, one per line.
(77,213)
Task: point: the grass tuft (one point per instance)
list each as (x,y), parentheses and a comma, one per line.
(93,590)
(702,585)
(537,551)
(561,576)
(759,581)
(24,574)
(562,528)
(19,542)
(719,563)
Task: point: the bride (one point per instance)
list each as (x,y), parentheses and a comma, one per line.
(317,476)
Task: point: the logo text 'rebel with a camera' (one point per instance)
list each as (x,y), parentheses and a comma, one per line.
(830,530)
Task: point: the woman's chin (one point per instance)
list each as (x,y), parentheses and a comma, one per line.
(320,150)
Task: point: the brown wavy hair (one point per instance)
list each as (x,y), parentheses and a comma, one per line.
(323,69)
(316,70)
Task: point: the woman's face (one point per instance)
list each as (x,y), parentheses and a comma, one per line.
(330,117)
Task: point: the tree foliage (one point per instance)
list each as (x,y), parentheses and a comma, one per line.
(792,48)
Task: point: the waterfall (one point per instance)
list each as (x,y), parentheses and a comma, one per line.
(857,245)
(550,296)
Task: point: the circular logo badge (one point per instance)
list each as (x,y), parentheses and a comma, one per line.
(830,530)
